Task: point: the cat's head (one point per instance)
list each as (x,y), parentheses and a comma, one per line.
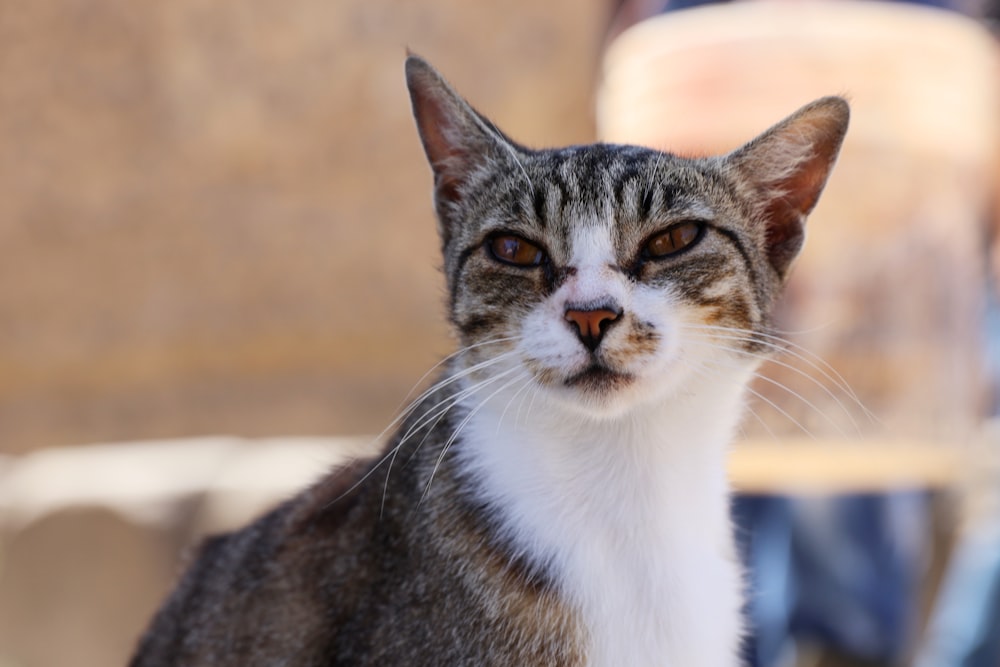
(612,275)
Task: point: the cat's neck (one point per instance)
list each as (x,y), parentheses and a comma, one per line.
(537,448)
(629,514)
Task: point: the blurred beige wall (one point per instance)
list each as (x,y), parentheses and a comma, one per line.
(215,214)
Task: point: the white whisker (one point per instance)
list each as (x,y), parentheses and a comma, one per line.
(458,430)
(390,455)
(456,353)
(796,352)
(527,385)
(432,420)
(763,377)
(709,372)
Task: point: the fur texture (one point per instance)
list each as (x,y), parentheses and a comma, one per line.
(558,497)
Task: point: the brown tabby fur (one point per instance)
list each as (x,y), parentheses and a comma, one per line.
(397,560)
(336,576)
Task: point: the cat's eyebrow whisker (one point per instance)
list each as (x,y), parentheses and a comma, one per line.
(458,430)
(654,172)
(509,149)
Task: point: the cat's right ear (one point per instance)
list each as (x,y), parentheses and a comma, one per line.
(456,139)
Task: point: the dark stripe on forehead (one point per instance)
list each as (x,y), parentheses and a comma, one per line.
(516,208)
(540,203)
(591,169)
(629,176)
(669,192)
(564,193)
(646,202)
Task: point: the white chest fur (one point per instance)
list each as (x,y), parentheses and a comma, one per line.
(632,516)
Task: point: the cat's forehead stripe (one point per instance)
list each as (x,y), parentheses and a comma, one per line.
(634,183)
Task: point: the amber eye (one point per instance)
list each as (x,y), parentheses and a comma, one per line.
(674,240)
(515,250)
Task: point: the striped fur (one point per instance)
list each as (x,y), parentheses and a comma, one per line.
(553,499)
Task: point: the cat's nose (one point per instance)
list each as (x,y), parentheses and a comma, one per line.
(591,324)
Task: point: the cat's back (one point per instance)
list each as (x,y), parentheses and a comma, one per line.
(357,571)
(248,597)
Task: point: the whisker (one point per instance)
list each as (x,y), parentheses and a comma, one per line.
(456,377)
(531,403)
(813,360)
(785,346)
(789,390)
(451,378)
(709,373)
(783,412)
(458,430)
(808,403)
(433,420)
(391,453)
(452,401)
(462,350)
(511,151)
(447,381)
(795,351)
(527,385)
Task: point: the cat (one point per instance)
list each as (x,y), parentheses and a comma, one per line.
(558,497)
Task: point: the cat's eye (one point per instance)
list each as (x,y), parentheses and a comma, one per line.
(513,249)
(674,239)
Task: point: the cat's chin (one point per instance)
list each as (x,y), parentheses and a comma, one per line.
(598,379)
(599,392)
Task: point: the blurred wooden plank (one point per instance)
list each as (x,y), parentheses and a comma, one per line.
(843,466)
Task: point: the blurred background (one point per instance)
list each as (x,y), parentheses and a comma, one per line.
(218,278)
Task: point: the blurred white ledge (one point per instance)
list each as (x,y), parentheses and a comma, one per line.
(235,479)
(145,480)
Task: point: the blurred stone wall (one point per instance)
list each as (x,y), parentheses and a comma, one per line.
(215,214)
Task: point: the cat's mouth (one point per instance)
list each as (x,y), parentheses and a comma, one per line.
(599,377)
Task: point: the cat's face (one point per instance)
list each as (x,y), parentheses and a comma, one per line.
(603,268)
(612,275)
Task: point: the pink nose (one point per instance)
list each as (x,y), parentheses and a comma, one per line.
(591,324)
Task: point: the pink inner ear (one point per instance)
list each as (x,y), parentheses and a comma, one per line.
(786,214)
(434,124)
(439,124)
(785,233)
(814,135)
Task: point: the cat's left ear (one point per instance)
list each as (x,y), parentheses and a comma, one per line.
(786,169)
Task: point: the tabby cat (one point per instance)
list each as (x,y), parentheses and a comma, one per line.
(558,497)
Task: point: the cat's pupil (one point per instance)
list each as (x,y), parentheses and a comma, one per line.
(673,240)
(515,250)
